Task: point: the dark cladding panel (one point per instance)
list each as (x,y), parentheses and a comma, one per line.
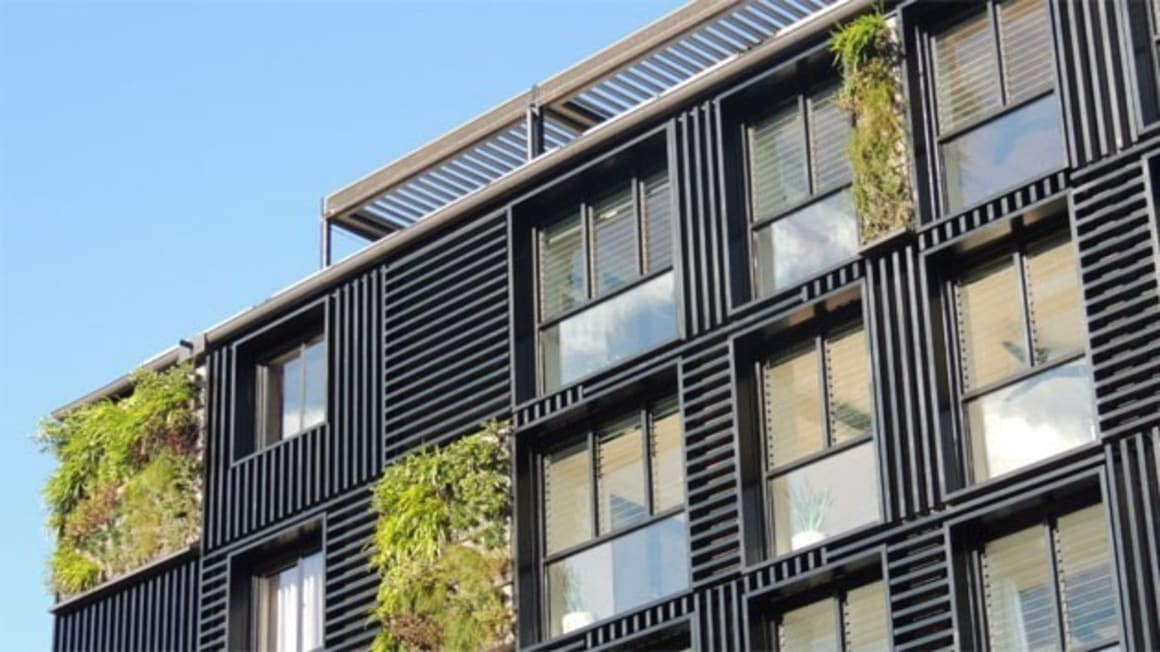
(702,246)
(1134,490)
(351,585)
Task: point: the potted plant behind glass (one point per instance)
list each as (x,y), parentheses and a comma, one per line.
(576,616)
(808,509)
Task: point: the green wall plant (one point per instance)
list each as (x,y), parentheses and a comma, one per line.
(127,486)
(441,546)
(868,57)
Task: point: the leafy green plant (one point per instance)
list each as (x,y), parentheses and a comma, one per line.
(809,508)
(126,489)
(865,51)
(441,546)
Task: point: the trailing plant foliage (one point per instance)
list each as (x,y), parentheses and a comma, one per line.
(126,489)
(441,546)
(865,51)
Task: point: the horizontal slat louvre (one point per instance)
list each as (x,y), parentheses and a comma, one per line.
(966,72)
(829,134)
(1025,37)
(777,161)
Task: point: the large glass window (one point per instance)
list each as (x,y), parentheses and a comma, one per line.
(854,621)
(1026,383)
(606,283)
(998,117)
(615,535)
(1051,586)
(287,610)
(291,391)
(801,213)
(821,469)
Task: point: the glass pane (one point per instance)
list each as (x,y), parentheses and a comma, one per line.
(1036,418)
(806,242)
(1019,596)
(561,264)
(613,330)
(1087,584)
(1028,52)
(313,588)
(620,476)
(315,409)
(567,498)
(848,374)
(668,460)
(991,329)
(811,628)
(269,404)
(793,405)
(628,571)
(829,136)
(658,218)
(777,161)
(291,372)
(966,72)
(864,617)
(826,498)
(1019,146)
(1056,310)
(614,235)
(278,611)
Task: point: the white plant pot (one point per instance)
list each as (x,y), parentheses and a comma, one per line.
(574,620)
(806,538)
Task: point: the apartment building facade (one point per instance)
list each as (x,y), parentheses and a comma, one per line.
(735,425)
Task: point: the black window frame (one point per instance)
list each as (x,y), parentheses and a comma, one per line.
(768,611)
(930,33)
(265,436)
(818,331)
(267,568)
(588,433)
(1013,247)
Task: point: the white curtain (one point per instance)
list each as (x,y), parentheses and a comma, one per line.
(313,582)
(286,615)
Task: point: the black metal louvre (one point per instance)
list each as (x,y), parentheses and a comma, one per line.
(423,348)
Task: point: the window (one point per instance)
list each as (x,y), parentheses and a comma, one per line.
(291,391)
(1051,586)
(615,535)
(606,283)
(820,466)
(998,118)
(802,215)
(1026,383)
(855,620)
(288,606)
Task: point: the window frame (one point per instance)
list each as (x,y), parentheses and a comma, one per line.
(264,571)
(836,590)
(1141,33)
(584,203)
(589,433)
(1006,107)
(818,331)
(1013,249)
(803,92)
(264,437)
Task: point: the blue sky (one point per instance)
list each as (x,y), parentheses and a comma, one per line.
(161,167)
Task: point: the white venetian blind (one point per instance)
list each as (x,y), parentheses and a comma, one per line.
(1025,37)
(848,381)
(811,627)
(777,161)
(991,328)
(1056,310)
(829,136)
(620,475)
(668,462)
(793,405)
(1087,587)
(966,72)
(865,619)
(561,268)
(1018,592)
(658,216)
(567,498)
(614,238)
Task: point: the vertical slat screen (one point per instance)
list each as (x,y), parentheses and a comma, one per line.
(703,243)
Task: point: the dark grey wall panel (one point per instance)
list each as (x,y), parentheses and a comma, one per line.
(918,581)
(447,344)
(155,610)
(351,585)
(702,221)
(1134,488)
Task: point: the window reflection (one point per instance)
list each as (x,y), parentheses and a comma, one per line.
(795,247)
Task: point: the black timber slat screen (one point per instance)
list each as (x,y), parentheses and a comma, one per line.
(1117,260)
(918,581)
(350,584)
(703,232)
(156,611)
(446,310)
(1134,491)
(305,470)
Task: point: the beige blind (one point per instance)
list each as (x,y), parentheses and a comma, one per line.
(614,238)
(658,216)
(991,328)
(1025,38)
(567,498)
(793,405)
(1018,594)
(668,462)
(966,72)
(777,161)
(1087,587)
(848,382)
(865,619)
(811,627)
(1056,310)
(829,136)
(620,475)
(561,264)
